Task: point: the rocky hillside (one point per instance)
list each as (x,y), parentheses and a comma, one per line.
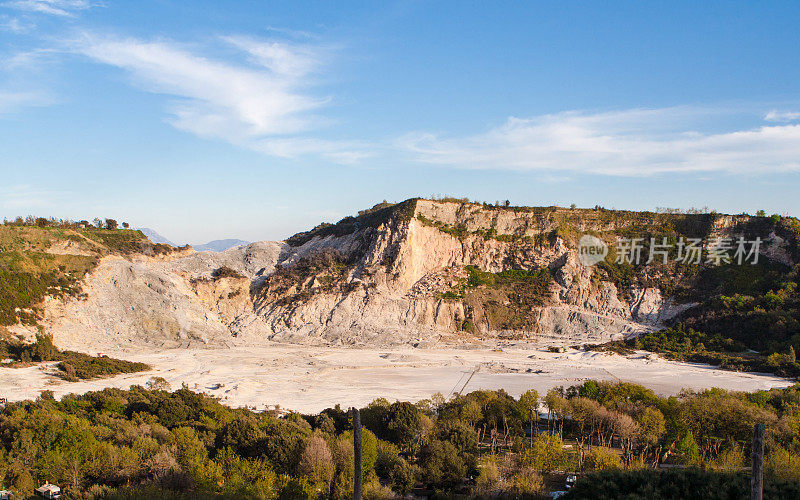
(48,260)
(426,268)
(429,270)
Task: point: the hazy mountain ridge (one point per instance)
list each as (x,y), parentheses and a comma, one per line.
(212,246)
(220,245)
(153,236)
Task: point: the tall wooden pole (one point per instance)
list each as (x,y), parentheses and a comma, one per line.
(359,467)
(757,477)
(531,427)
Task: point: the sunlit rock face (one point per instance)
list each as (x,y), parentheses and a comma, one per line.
(418,271)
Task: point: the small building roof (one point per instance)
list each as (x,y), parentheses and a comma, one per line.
(47,487)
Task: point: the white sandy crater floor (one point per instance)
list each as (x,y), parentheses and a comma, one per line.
(309,379)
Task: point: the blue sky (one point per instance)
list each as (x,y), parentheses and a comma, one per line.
(257,119)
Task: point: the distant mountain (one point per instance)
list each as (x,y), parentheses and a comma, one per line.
(220,245)
(154,236)
(213,246)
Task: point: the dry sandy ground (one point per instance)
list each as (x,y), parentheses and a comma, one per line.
(309,379)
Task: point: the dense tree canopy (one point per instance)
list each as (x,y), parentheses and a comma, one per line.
(152,442)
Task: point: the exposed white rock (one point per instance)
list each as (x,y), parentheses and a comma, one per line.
(396,276)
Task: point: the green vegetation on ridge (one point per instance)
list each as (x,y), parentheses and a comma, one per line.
(366,219)
(740,308)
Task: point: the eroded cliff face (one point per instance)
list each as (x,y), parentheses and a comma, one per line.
(162,302)
(409,283)
(420,271)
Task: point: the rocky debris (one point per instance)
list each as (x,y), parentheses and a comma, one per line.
(650,308)
(437,283)
(255,259)
(776,249)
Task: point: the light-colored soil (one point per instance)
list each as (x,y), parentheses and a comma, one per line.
(309,379)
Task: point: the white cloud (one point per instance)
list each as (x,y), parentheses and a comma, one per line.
(290,60)
(20,85)
(782,116)
(14,25)
(64,8)
(629,142)
(262,104)
(28,62)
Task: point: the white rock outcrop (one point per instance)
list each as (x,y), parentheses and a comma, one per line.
(392,287)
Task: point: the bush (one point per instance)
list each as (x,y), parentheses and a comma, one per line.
(316,462)
(547,454)
(527,482)
(392,468)
(601,458)
(488,473)
(72,365)
(441,465)
(687,449)
(79,366)
(225,272)
(462,435)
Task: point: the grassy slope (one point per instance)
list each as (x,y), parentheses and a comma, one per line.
(30,270)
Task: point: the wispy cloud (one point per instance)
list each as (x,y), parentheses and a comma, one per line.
(14,25)
(20,83)
(289,60)
(260,101)
(64,8)
(631,142)
(782,116)
(28,61)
